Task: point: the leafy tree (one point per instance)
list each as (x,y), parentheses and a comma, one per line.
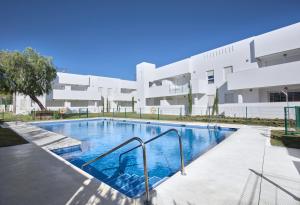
(190,99)
(132,103)
(27,73)
(215,108)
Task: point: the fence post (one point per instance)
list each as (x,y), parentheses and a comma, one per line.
(113,112)
(125,112)
(158,113)
(33,114)
(246,112)
(140,113)
(87,112)
(285,120)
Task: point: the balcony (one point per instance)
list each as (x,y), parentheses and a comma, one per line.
(277,41)
(167,90)
(125,96)
(200,86)
(73,79)
(76,95)
(277,75)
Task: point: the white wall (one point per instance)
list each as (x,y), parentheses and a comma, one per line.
(283,39)
(283,74)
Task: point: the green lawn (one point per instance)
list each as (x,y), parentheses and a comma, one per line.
(278,138)
(9,138)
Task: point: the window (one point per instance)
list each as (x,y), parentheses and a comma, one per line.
(78,88)
(280,97)
(152,101)
(210,77)
(227,70)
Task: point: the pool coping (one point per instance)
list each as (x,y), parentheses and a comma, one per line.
(189,123)
(104,186)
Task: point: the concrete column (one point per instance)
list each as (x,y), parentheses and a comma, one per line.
(143,77)
(67,104)
(240,98)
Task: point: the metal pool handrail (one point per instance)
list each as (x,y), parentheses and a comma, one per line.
(142,144)
(158,136)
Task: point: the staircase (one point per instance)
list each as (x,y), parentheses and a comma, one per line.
(132,185)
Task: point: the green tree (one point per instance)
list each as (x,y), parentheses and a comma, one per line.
(132,103)
(103,102)
(215,108)
(107,105)
(27,73)
(190,100)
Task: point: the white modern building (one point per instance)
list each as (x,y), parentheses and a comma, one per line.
(74,92)
(249,75)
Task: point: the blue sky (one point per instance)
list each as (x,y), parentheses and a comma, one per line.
(109,38)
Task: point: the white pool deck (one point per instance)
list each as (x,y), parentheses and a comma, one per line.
(243,169)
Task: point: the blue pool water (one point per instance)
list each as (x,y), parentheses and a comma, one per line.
(126,175)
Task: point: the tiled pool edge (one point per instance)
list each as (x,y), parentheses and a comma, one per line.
(163,122)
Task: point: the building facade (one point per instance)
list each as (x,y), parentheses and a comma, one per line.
(249,75)
(74,92)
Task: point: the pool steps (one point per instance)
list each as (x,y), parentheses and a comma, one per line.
(131,185)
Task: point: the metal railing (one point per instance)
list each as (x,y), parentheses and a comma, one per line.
(142,144)
(158,136)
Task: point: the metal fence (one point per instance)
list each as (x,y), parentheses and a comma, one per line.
(238,114)
(292,120)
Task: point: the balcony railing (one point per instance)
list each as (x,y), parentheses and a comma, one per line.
(178,89)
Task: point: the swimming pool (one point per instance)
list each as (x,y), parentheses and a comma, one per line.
(126,173)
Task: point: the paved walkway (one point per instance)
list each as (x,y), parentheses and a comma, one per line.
(43,138)
(243,169)
(231,173)
(31,176)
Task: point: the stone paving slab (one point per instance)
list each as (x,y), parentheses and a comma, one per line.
(31,176)
(230,173)
(280,179)
(43,138)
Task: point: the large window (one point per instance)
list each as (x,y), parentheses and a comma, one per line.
(280,97)
(210,77)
